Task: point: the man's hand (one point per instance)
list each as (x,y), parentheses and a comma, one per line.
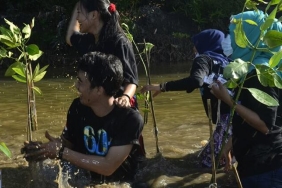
(40,151)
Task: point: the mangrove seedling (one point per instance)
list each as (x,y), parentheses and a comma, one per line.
(16,47)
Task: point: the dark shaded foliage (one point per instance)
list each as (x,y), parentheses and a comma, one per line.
(168,24)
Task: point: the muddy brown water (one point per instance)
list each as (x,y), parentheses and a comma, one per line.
(181,122)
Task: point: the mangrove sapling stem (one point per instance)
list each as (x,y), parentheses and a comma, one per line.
(223,142)
(234,168)
(146,73)
(213,179)
(147,50)
(29,118)
(151,98)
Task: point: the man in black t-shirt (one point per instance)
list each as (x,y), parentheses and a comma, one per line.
(99,136)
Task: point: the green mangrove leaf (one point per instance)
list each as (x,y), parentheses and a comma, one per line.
(263,97)
(43,69)
(140,96)
(14,29)
(125,26)
(129,36)
(277,80)
(232,83)
(251,5)
(19,78)
(37,90)
(21,56)
(32,49)
(5,150)
(236,69)
(27,31)
(280,8)
(280,19)
(10,71)
(10,54)
(3,52)
(269,20)
(8,41)
(275,59)
(145,110)
(148,47)
(251,22)
(32,23)
(39,76)
(240,37)
(36,56)
(261,1)
(274,2)
(264,74)
(6,32)
(36,70)
(19,70)
(273,38)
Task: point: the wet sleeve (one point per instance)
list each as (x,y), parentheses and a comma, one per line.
(124,51)
(200,69)
(130,130)
(69,129)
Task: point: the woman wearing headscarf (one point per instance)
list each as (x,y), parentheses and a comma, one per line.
(207,65)
(256,139)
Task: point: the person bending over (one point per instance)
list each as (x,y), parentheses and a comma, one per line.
(207,66)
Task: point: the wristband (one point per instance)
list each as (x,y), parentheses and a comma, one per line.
(126,96)
(61,151)
(163,87)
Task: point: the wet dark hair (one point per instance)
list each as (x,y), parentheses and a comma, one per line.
(102,70)
(111,20)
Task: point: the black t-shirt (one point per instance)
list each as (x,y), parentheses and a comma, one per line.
(256,152)
(118,45)
(202,67)
(93,135)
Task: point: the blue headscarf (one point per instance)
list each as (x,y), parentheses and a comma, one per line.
(252,33)
(209,42)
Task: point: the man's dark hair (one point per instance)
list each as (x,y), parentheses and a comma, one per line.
(102,70)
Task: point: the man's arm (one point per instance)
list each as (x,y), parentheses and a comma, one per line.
(73,25)
(106,165)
